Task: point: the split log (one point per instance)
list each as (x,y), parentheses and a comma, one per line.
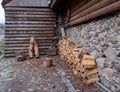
(33,47)
(88,60)
(89,81)
(90,72)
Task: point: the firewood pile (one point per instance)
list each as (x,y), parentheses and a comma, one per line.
(82,64)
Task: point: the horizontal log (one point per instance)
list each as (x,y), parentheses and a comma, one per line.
(93,8)
(29,16)
(30,13)
(29,29)
(23,48)
(26,44)
(28,9)
(31,22)
(30,19)
(30,26)
(102,11)
(10,54)
(27,41)
(26,50)
(28,36)
(79,4)
(28,32)
(40,38)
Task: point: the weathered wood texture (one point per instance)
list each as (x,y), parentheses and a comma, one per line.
(82,65)
(22,23)
(85,10)
(28,3)
(90,10)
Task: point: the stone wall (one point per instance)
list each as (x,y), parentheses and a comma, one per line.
(101,38)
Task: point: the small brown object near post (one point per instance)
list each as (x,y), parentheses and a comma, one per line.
(47,62)
(21,56)
(33,45)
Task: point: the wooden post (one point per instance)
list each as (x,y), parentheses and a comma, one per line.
(63,32)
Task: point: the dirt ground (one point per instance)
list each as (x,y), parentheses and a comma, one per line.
(31,76)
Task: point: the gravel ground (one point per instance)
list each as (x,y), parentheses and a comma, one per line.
(31,76)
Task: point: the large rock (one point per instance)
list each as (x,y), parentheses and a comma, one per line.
(108,73)
(105,82)
(100,62)
(110,54)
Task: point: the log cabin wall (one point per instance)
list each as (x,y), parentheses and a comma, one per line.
(79,11)
(25,18)
(95,26)
(85,10)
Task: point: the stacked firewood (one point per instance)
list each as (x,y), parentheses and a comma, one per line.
(82,64)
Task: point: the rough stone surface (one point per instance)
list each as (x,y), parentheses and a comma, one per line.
(108,73)
(101,38)
(109,53)
(100,62)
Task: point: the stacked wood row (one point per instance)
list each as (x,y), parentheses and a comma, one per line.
(77,58)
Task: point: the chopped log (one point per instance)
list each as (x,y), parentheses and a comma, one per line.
(47,62)
(88,62)
(90,66)
(90,72)
(33,46)
(89,81)
(88,57)
(92,76)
